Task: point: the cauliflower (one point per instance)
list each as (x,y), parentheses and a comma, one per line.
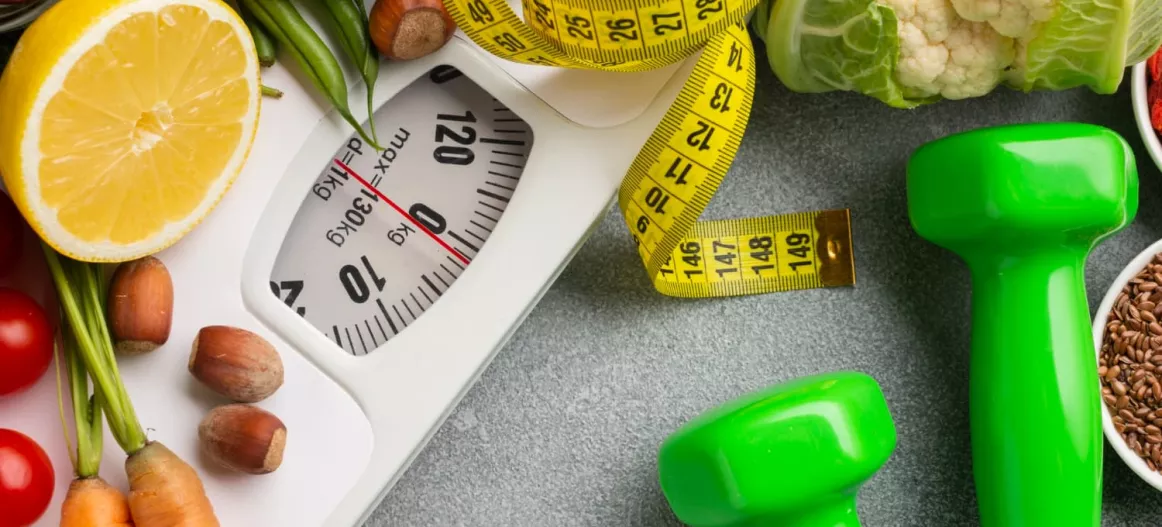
(944,54)
(911,52)
(1010,18)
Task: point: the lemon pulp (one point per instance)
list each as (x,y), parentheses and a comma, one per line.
(144,132)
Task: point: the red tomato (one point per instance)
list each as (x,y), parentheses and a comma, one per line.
(27,479)
(11,234)
(25,341)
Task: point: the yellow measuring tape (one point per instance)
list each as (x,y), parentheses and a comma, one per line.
(685,159)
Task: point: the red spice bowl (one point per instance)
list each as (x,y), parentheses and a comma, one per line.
(1140,92)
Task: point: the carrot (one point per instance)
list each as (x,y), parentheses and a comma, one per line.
(164,491)
(92,502)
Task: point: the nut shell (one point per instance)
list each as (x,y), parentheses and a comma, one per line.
(410,29)
(236,363)
(140,306)
(244,438)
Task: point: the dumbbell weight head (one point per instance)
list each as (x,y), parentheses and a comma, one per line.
(1018,189)
(792,455)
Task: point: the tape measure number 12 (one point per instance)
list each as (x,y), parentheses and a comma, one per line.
(684,161)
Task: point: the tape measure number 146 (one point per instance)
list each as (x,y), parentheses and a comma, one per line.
(684,161)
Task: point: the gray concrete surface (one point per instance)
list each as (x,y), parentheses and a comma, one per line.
(563,428)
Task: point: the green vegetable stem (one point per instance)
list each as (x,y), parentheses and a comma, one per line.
(287,26)
(263,44)
(271,92)
(350,19)
(81,288)
(86,411)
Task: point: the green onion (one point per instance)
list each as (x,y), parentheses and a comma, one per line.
(81,289)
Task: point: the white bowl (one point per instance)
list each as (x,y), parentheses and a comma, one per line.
(1142,113)
(1137,464)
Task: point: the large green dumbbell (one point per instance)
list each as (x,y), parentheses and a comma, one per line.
(792,455)
(1023,205)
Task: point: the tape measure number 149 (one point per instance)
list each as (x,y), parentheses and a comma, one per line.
(685,159)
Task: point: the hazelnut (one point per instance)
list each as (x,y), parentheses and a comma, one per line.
(140,306)
(244,438)
(410,29)
(236,363)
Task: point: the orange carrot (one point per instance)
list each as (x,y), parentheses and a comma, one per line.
(164,491)
(93,503)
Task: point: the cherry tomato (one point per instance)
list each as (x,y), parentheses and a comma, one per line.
(11,234)
(25,341)
(27,479)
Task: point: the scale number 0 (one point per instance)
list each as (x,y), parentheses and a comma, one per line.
(353,282)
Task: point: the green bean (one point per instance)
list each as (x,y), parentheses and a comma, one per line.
(287,26)
(263,44)
(350,19)
(271,92)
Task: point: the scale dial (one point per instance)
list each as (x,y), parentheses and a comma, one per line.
(381,236)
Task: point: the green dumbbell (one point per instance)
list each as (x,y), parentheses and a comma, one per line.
(1023,205)
(792,455)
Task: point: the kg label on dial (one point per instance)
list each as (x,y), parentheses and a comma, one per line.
(383,235)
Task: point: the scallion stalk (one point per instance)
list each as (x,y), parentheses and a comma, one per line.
(80,287)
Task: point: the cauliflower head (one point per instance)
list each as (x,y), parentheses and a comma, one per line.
(912,52)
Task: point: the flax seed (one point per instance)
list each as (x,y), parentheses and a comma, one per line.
(1130,363)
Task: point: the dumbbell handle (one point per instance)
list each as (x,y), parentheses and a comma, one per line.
(1034,407)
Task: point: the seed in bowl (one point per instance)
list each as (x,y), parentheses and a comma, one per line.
(1130,364)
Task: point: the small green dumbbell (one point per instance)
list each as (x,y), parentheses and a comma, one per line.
(792,455)
(1023,205)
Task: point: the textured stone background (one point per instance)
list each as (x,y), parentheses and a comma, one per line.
(563,428)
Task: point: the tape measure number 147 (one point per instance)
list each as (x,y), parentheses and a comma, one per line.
(684,161)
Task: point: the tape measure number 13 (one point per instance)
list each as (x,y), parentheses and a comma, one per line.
(685,159)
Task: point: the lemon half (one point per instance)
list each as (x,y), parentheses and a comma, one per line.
(122,123)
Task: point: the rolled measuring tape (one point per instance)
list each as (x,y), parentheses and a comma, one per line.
(684,161)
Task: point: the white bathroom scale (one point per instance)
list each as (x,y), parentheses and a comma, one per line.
(384,320)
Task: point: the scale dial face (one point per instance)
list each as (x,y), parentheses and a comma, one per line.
(382,235)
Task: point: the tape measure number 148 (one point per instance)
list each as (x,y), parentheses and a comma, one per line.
(684,161)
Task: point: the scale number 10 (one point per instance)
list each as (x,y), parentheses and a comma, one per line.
(353,282)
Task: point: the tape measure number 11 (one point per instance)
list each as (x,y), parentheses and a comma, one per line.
(684,161)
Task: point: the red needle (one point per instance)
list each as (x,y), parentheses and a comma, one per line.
(418,225)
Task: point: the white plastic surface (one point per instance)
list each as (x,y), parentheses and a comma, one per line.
(354,423)
(408,386)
